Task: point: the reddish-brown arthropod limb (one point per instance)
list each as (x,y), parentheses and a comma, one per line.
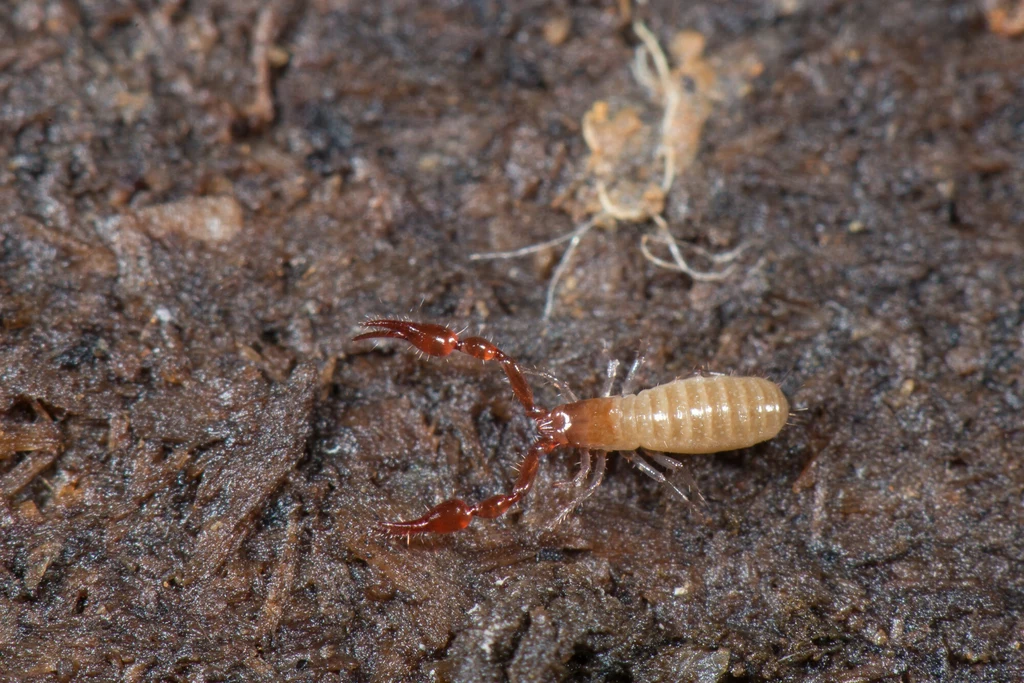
(695,415)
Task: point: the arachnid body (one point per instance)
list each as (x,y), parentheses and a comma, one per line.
(695,415)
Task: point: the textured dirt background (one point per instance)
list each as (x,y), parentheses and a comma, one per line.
(199,202)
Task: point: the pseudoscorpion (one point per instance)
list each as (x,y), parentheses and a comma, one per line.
(695,415)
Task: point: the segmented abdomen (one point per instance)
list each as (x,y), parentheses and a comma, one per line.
(703,414)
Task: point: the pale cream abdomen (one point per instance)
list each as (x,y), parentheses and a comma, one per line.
(702,415)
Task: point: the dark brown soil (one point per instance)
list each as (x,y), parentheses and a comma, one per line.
(201,200)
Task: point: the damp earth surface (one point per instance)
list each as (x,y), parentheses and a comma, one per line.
(200,202)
